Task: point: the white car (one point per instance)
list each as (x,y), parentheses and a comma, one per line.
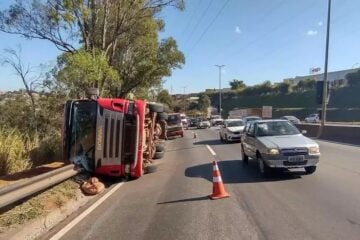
(313,118)
(203,123)
(232,130)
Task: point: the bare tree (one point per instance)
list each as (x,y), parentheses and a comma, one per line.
(13,59)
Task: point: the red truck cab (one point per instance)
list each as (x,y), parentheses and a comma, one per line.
(105,135)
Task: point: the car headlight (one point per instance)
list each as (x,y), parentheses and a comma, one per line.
(314,150)
(273,151)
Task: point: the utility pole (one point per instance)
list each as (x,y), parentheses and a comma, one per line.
(325,85)
(184,87)
(220,67)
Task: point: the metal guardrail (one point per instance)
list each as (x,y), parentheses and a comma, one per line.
(26,187)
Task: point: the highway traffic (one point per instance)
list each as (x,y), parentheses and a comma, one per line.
(173,202)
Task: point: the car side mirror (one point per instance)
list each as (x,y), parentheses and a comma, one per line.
(249,134)
(304,132)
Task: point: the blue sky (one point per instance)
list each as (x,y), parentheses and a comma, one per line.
(257,40)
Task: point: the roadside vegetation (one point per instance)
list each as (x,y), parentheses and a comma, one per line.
(298,100)
(120,53)
(39,205)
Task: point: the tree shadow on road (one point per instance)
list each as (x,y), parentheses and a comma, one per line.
(234,171)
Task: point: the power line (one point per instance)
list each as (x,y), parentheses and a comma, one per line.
(199,21)
(191,18)
(210,24)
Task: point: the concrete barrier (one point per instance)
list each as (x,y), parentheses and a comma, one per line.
(338,133)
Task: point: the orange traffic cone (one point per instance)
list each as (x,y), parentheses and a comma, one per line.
(218,186)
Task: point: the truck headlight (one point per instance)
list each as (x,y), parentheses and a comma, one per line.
(314,150)
(273,151)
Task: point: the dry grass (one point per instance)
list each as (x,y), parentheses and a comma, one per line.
(14,152)
(39,205)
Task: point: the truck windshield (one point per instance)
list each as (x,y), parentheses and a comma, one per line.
(83,133)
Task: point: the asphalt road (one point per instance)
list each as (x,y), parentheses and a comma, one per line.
(173,202)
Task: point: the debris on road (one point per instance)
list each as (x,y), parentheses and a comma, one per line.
(92,186)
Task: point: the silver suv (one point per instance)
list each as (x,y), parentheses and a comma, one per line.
(278,144)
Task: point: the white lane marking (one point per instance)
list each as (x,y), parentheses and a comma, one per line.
(211,150)
(70,225)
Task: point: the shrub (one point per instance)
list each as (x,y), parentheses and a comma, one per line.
(14,152)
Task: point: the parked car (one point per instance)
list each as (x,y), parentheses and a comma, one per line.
(203,123)
(184,120)
(216,122)
(312,118)
(292,119)
(278,144)
(192,122)
(174,125)
(250,118)
(231,130)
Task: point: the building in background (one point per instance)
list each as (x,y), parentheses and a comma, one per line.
(337,78)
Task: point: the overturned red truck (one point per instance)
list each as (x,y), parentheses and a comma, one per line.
(114,136)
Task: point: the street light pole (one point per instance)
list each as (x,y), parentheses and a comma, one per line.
(325,85)
(184,87)
(220,66)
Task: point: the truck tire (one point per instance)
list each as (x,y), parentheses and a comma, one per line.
(162,116)
(150,169)
(156,107)
(159,155)
(310,169)
(160,148)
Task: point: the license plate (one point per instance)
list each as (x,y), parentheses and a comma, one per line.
(299,158)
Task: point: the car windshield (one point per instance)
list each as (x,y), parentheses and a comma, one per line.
(276,129)
(235,123)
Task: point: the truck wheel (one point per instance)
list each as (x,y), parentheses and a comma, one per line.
(162,116)
(160,148)
(244,157)
(310,170)
(159,155)
(155,107)
(150,169)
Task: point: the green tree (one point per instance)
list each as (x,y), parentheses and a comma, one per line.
(237,84)
(124,32)
(82,69)
(284,87)
(203,102)
(353,78)
(164,97)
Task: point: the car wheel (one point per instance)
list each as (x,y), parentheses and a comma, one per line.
(264,169)
(310,169)
(244,157)
(226,139)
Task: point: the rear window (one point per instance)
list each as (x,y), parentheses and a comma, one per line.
(174,118)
